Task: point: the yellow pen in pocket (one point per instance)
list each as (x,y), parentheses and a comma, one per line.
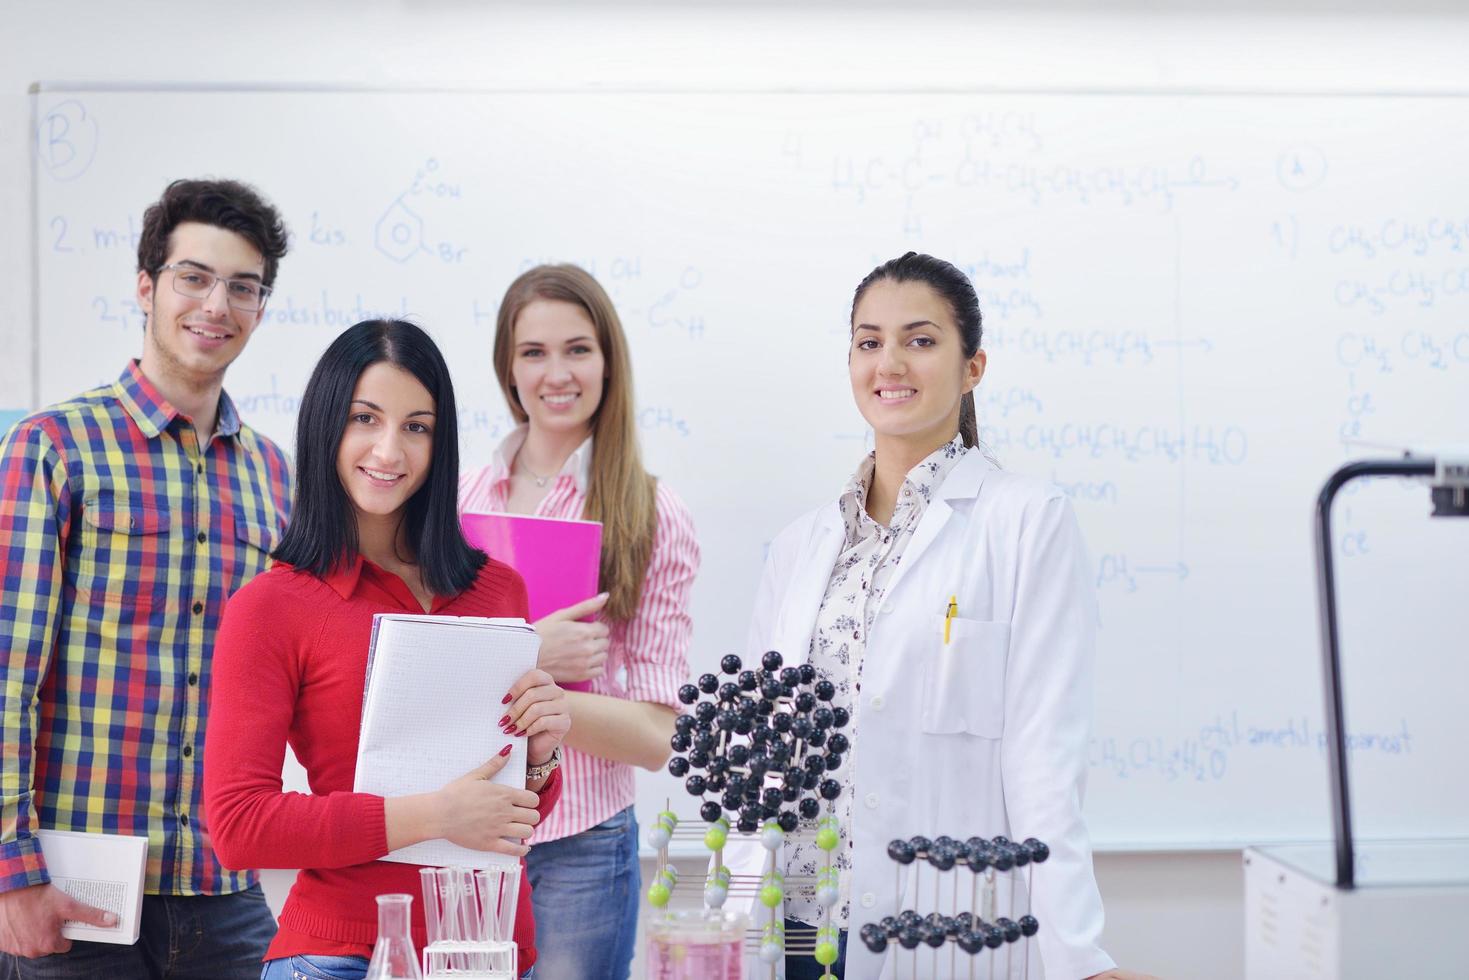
(949,617)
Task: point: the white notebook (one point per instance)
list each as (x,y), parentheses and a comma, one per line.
(104,871)
(431,704)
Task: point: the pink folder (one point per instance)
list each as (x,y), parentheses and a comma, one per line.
(560,560)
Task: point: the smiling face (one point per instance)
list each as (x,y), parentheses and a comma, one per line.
(194,340)
(387,445)
(907,364)
(557,366)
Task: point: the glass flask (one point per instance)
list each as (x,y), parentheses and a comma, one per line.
(393,957)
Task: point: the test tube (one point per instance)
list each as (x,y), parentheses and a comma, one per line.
(430,886)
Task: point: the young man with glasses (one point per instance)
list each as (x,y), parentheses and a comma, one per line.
(128,515)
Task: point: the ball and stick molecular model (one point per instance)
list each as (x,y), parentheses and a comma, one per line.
(974,930)
(756,747)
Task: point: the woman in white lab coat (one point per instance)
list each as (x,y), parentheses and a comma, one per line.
(975,729)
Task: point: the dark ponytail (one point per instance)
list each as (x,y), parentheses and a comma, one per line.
(954,286)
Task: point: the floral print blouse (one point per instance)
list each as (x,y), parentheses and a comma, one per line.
(854,593)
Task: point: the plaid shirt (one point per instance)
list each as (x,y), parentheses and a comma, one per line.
(120,540)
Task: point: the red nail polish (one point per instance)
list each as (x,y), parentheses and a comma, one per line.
(506,700)
(520,733)
(503,721)
(506,750)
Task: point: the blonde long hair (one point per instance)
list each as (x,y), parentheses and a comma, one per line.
(621,493)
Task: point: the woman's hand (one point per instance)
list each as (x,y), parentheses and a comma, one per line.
(475,813)
(572,650)
(537,710)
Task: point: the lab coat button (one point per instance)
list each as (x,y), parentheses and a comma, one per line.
(868,900)
(887,609)
(871,801)
(877,702)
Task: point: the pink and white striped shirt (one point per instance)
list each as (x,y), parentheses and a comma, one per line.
(647,657)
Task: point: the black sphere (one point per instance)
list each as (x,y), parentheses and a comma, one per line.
(698,759)
(729,691)
(811,781)
(683,724)
(726,720)
(921,845)
(901,851)
(832,761)
(763,707)
(743,726)
(1010,928)
(933,934)
(704,741)
(805,701)
(688,694)
(810,809)
(889,925)
(994,938)
(875,942)
(748,826)
(710,811)
(731,799)
(838,742)
(695,785)
(830,789)
(788,821)
(750,811)
(1029,926)
(790,676)
(708,683)
(825,690)
(817,738)
(770,796)
(823,718)
(941,857)
(970,941)
(705,711)
(840,717)
(770,690)
(730,663)
(771,660)
(909,918)
(1002,858)
(679,742)
(1038,851)
(739,754)
(678,766)
(780,721)
(977,856)
(808,673)
(747,680)
(909,937)
(801,728)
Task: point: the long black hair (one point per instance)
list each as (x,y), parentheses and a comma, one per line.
(956,289)
(322,533)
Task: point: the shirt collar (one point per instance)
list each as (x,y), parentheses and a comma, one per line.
(153,413)
(578,465)
(921,480)
(349,578)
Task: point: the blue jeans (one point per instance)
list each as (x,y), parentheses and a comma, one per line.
(181,937)
(325,968)
(585,891)
(805,967)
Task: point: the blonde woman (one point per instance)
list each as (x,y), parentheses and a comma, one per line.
(562,362)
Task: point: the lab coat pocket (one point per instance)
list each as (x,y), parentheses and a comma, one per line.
(964,679)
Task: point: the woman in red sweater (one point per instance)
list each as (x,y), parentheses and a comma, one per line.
(374,530)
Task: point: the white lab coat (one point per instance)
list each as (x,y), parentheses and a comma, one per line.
(982,736)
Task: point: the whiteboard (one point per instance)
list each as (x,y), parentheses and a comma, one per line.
(1192,304)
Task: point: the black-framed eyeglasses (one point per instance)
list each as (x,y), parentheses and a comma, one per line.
(245,295)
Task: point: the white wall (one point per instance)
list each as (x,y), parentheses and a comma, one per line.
(1179,915)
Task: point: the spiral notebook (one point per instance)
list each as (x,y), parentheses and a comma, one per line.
(431,699)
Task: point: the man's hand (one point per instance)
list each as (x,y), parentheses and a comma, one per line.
(571,650)
(31,918)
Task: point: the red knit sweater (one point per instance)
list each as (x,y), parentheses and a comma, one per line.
(289,665)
